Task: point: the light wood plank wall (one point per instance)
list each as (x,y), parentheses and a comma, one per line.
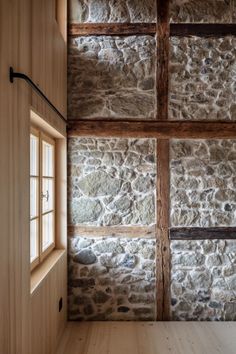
(47,323)
(14,187)
(49,59)
(31,42)
(49,71)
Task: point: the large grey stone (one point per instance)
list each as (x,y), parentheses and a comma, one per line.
(143,184)
(86,210)
(99,183)
(146,210)
(85,257)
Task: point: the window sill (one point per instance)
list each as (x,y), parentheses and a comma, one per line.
(41,272)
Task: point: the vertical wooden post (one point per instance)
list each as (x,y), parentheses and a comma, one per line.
(163,246)
(162,57)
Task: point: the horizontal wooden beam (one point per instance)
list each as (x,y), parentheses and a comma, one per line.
(202,29)
(153,129)
(203,233)
(176,29)
(113,231)
(111,29)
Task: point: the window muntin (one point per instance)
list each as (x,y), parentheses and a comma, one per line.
(42,196)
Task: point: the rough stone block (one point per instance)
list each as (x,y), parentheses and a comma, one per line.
(111,77)
(206,293)
(121,193)
(209,11)
(114,284)
(202,78)
(112,11)
(203,189)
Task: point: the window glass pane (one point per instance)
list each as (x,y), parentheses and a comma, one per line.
(48,231)
(48,159)
(34,148)
(33,197)
(47,195)
(33,240)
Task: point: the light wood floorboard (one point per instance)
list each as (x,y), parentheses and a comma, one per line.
(148,338)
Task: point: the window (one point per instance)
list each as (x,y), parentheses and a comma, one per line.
(42,196)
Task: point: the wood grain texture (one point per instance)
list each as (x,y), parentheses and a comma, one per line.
(162,57)
(163,244)
(148,129)
(14,179)
(112,231)
(203,233)
(148,338)
(176,29)
(49,61)
(202,29)
(47,323)
(111,29)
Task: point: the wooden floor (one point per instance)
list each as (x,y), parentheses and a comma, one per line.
(148,338)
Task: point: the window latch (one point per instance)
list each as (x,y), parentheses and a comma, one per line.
(46,196)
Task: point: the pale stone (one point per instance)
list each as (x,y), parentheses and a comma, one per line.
(112,11)
(201,84)
(99,183)
(86,210)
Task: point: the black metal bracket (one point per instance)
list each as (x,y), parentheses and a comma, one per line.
(15,75)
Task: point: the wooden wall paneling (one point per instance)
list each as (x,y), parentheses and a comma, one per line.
(14,179)
(60,70)
(6,41)
(38,52)
(61,194)
(61,15)
(153,129)
(163,245)
(48,61)
(21,173)
(47,323)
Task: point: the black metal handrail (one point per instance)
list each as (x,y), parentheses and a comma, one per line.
(13,75)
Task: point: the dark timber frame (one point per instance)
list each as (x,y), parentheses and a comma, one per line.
(160,128)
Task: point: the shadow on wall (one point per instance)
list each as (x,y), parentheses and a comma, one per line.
(111,77)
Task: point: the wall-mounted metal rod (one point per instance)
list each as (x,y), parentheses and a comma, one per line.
(13,75)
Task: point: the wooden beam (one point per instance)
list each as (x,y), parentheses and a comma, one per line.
(162,57)
(111,29)
(129,29)
(203,233)
(112,231)
(202,29)
(163,244)
(153,129)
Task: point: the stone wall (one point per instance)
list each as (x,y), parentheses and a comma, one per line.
(202,78)
(203,280)
(111,279)
(111,181)
(112,11)
(209,11)
(203,183)
(111,77)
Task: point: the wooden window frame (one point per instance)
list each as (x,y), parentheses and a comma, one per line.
(42,254)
